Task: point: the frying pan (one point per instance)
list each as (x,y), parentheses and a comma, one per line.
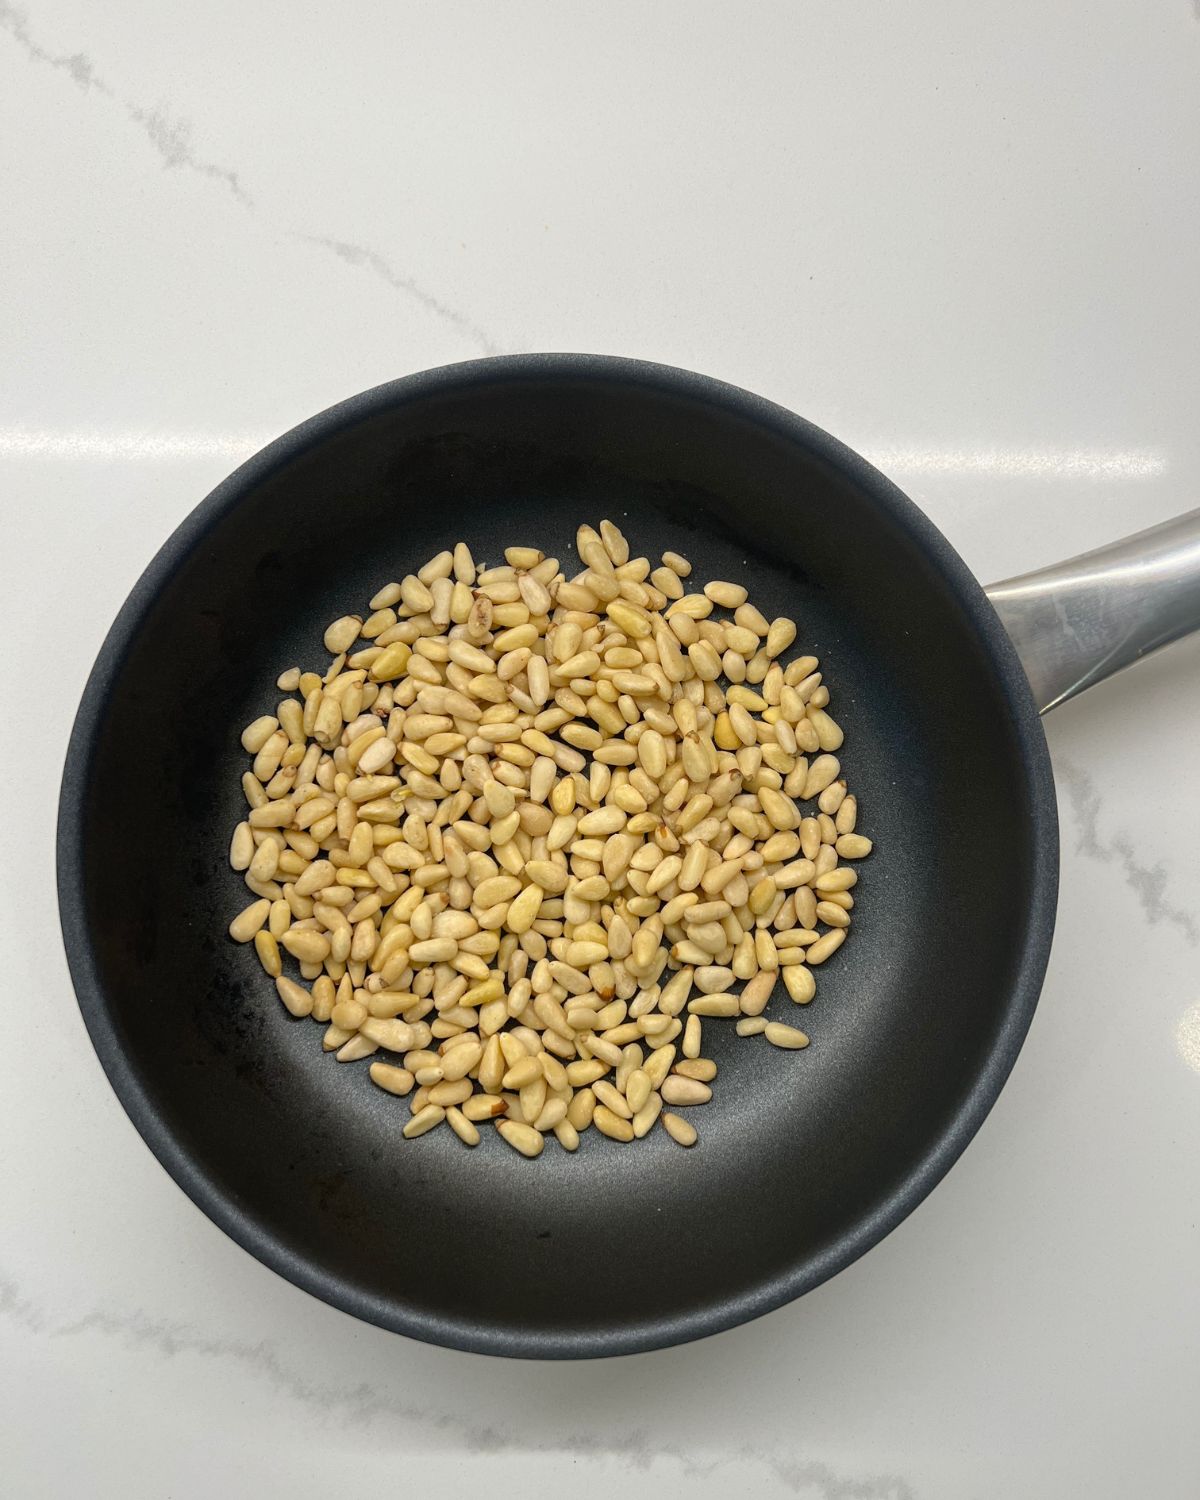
(805,1160)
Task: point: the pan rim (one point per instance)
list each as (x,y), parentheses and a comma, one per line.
(237,1219)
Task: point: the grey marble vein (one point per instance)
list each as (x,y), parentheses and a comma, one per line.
(364,1405)
(362,255)
(75,64)
(1148,882)
(15,1309)
(172,140)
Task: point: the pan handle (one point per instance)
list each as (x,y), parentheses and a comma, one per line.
(1079,621)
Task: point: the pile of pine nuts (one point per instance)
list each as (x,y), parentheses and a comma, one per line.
(525,834)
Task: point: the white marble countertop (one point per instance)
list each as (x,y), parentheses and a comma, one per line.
(964,239)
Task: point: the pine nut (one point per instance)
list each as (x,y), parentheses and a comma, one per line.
(799,982)
(424,1120)
(342,634)
(248,922)
(611,1099)
(447,1093)
(788,1037)
(701,1068)
(266,945)
(643,1121)
(295,997)
(714,1005)
(680,1130)
(241,847)
(780,635)
(462,1127)
(355,1049)
(826,946)
(726,595)
(821,773)
(396,1036)
(391,1079)
(483,1107)
(522,1138)
(684,1091)
(527,1070)
(637,1089)
(306,945)
(612,1125)
(658,1064)
(566,1135)
(256,734)
(349,1014)
(757,992)
(546,825)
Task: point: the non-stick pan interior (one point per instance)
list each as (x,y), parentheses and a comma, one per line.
(804,1159)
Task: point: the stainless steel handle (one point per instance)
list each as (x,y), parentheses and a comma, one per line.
(1080,621)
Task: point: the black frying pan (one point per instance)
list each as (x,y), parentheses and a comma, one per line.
(805,1160)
